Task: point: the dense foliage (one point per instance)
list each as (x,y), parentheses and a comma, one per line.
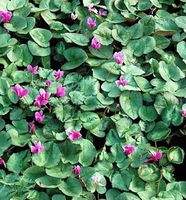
(89,92)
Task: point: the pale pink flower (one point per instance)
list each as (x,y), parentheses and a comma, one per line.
(76,169)
(37,148)
(32,126)
(128,149)
(58,74)
(96,179)
(95,43)
(183,112)
(42,99)
(102,12)
(73,16)
(48,82)
(5,16)
(121,82)
(39,117)
(20,91)
(73,135)
(154,157)
(119,57)
(61,91)
(2,162)
(92,9)
(91,22)
(33,70)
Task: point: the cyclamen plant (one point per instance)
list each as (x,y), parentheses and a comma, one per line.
(92,98)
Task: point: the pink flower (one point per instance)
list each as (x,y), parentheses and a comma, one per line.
(5,16)
(37,147)
(92,9)
(73,135)
(91,22)
(76,169)
(58,74)
(95,43)
(154,157)
(33,70)
(32,126)
(20,91)
(2,162)
(183,112)
(48,82)
(128,149)
(42,99)
(73,16)
(122,81)
(61,91)
(102,12)
(119,57)
(39,117)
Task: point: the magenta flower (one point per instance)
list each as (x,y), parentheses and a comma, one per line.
(183,112)
(128,149)
(91,22)
(42,99)
(92,9)
(76,169)
(61,91)
(154,157)
(32,126)
(37,147)
(48,82)
(58,74)
(102,12)
(20,91)
(73,135)
(121,82)
(5,16)
(119,57)
(2,162)
(33,70)
(73,16)
(95,43)
(39,117)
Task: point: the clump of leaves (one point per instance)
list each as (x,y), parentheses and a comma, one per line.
(89,90)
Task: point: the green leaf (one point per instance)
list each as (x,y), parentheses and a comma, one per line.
(76,38)
(49,158)
(90,120)
(32,173)
(41,36)
(142,46)
(48,182)
(75,57)
(103,34)
(18,161)
(58,196)
(70,152)
(175,155)
(144,4)
(160,132)
(88,152)
(147,113)
(149,173)
(181,49)
(36,50)
(5,141)
(130,103)
(181,21)
(15,4)
(71,187)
